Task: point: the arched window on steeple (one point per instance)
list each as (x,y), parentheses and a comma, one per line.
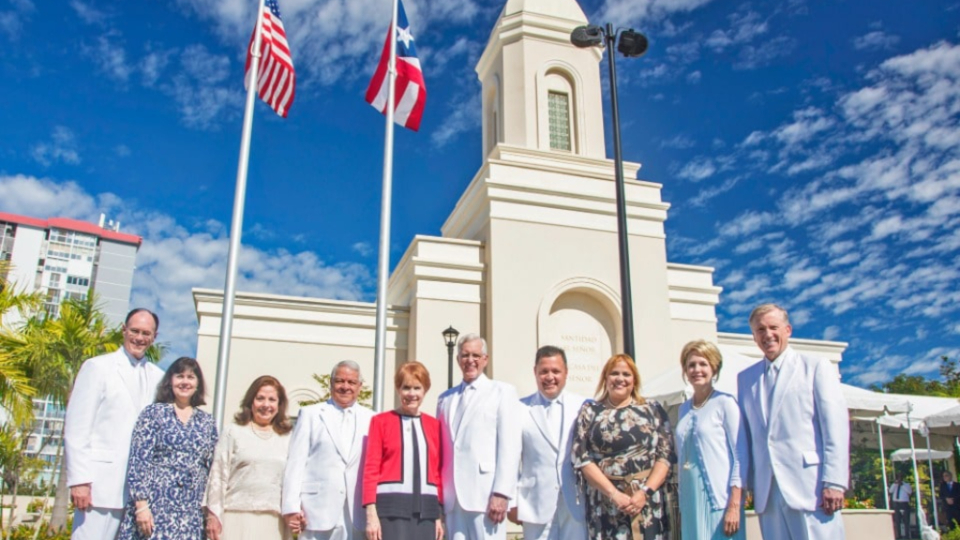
(557,110)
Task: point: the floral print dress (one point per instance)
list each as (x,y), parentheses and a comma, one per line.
(623,442)
(169,463)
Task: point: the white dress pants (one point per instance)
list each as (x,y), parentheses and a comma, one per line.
(464,525)
(562,527)
(780,522)
(342,531)
(96,524)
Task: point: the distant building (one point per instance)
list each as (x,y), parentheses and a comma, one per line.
(66,258)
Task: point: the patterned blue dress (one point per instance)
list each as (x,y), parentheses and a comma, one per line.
(169,463)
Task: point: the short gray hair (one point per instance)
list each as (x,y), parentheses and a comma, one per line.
(472,337)
(349,364)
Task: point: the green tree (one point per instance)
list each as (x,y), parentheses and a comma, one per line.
(16,390)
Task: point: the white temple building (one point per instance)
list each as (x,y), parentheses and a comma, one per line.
(527,257)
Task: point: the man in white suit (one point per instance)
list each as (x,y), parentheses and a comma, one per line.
(480,439)
(108,395)
(549,503)
(799,433)
(320,499)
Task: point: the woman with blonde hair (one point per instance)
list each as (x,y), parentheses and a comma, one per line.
(712,448)
(623,448)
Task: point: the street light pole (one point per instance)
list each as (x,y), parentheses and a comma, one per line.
(450,339)
(632,44)
(623,238)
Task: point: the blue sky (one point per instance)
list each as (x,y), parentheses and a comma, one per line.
(810,149)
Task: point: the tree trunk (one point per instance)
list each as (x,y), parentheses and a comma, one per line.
(58,518)
(43,510)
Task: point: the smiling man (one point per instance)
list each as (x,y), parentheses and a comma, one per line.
(549,504)
(480,440)
(799,435)
(108,395)
(320,498)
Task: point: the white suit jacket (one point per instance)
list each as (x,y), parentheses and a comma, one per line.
(99,424)
(483,456)
(806,439)
(545,466)
(321,475)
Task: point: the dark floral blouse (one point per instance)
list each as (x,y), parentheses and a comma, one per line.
(623,442)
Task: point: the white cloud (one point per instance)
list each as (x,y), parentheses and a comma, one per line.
(697,170)
(694,77)
(644,11)
(62,147)
(175,258)
(88,13)
(875,40)
(109,55)
(744,28)
(463,116)
(201,90)
(757,56)
(11,21)
(364,249)
(679,142)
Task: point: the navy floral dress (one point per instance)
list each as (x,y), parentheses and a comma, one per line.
(169,463)
(623,442)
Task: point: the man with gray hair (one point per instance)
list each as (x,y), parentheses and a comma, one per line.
(320,497)
(480,442)
(799,435)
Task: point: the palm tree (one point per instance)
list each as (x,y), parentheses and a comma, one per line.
(51,351)
(16,390)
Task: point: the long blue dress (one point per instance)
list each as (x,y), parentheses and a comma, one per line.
(699,520)
(169,464)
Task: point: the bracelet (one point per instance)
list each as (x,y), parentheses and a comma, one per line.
(141,510)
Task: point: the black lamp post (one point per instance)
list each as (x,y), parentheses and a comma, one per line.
(632,44)
(450,338)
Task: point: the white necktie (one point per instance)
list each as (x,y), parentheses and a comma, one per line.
(347,429)
(770,381)
(465,396)
(145,397)
(554,418)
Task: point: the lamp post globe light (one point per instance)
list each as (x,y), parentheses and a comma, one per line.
(450,339)
(632,44)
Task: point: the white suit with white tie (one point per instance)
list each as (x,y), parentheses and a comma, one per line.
(108,395)
(799,432)
(480,445)
(323,470)
(549,501)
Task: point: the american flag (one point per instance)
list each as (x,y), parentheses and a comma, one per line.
(411,92)
(276,79)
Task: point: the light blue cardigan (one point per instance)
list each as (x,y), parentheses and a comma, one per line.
(721,444)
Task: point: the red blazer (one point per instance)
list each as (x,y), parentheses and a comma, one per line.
(384,454)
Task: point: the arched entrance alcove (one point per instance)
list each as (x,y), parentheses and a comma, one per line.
(580,315)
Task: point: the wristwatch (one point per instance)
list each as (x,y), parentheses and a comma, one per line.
(647,489)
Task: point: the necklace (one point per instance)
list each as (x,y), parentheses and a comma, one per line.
(704,402)
(263,433)
(624,403)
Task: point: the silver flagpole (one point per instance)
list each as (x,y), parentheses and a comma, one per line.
(236,228)
(383,266)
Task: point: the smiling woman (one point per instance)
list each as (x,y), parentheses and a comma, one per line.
(243,492)
(399,508)
(170,457)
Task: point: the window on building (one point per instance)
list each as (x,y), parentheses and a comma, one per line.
(559,115)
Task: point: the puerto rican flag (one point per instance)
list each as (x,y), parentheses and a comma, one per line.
(411,92)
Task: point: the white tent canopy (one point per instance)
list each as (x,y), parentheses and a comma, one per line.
(670,389)
(948,418)
(903,454)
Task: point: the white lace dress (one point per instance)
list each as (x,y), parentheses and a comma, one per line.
(244,485)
